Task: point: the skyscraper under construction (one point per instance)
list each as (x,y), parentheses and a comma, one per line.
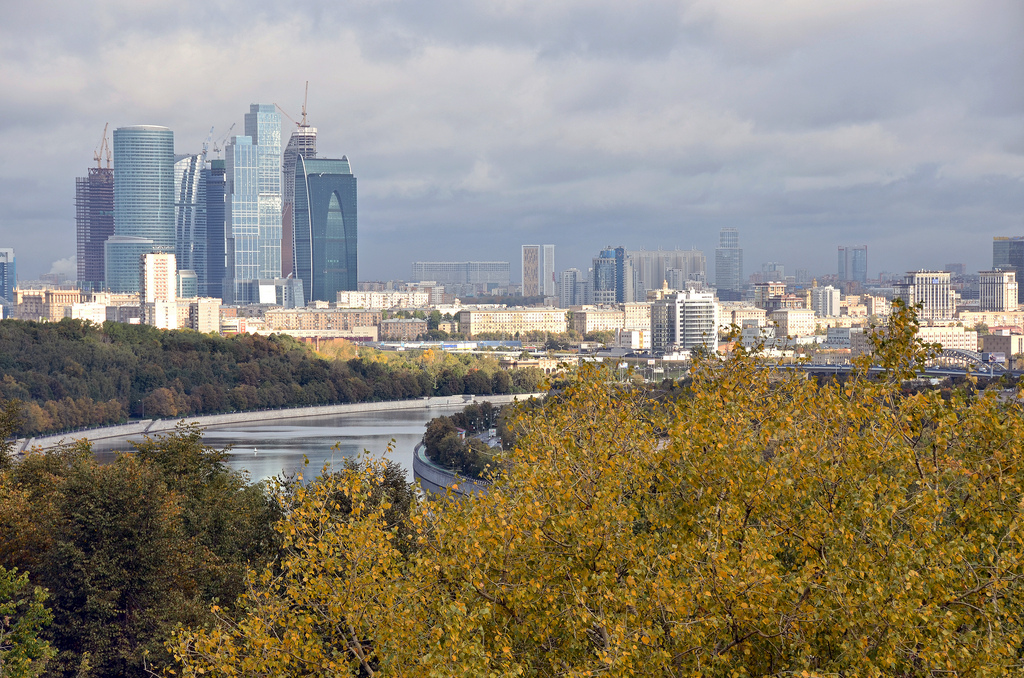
(301,143)
(94,217)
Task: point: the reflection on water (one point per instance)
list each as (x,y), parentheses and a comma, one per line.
(277,447)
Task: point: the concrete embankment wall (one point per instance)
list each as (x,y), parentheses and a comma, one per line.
(152,426)
(437,480)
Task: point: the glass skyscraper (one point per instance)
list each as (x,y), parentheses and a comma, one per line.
(216,270)
(729,265)
(302,142)
(326,227)
(190,216)
(94,223)
(253,205)
(853,263)
(263,126)
(143,196)
(1008,255)
(8,275)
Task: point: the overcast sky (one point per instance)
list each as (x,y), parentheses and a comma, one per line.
(475,127)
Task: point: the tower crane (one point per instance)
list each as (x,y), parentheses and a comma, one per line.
(217,148)
(206,147)
(104,146)
(305,99)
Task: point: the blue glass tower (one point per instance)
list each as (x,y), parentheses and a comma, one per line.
(242,222)
(213,181)
(325,227)
(190,216)
(263,126)
(143,193)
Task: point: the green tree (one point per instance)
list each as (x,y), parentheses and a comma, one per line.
(23,653)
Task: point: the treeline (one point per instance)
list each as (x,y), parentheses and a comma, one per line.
(126,551)
(449,440)
(73,374)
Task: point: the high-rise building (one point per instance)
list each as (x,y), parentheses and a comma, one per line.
(8,275)
(652,268)
(569,288)
(1008,255)
(216,238)
(157,282)
(326,227)
(613,279)
(853,263)
(729,265)
(538,270)
(94,223)
(684,321)
(241,222)
(932,290)
(825,301)
(263,126)
(998,290)
(143,199)
(190,216)
(302,142)
(122,255)
(485,273)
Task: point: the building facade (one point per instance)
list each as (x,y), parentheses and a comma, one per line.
(654,268)
(301,143)
(326,227)
(263,126)
(684,321)
(1008,255)
(157,290)
(932,290)
(729,265)
(853,263)
(485,273)
(8,275)
(94,223)
(512,321)
(997,290)
(122,255)
(190,216)
(143,199)
(214,188)
(825,301)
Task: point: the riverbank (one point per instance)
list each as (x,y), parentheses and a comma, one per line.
(155,426)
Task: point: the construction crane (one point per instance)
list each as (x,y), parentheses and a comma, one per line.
(217,148)
(104,146)
(305,99)
(206,147)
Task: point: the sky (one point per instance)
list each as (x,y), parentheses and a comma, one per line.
(475,127)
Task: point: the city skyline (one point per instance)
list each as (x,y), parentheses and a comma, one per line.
(806,127)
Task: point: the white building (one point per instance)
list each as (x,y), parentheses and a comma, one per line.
(825,301)
(932,290)
(157,282)
(794,322)
(997,290)
(683,321)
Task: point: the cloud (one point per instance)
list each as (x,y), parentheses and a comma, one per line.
(474,127)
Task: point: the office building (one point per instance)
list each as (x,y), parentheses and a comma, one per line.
(538,270)
(326,227)
(190,216)
(122,255)
(8,276)
(143,201)
(729,265)
(1008,255)
(94,223)
(932,290)
(572,288)
(302,142)
(684,320)
(613,279)
(489,274)
(656,267)
(214,186)
(853,264)
(263,126)
(997,290)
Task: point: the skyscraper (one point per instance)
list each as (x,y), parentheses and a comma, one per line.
(8,275)
(998,290)
(932,290)
(302,142)
(216,270)
(326,227)
(729,265)
(538,270)
(684,321)
(652,267)
(612,277)
(190,216)
(143,199)
(1008,255)
(94,223)
(263,126)
(241,217)
(853,263)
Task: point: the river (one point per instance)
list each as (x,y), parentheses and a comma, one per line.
(267,449)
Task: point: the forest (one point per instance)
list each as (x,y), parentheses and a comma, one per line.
(73,374)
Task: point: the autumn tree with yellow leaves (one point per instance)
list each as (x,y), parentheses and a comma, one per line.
(761,525)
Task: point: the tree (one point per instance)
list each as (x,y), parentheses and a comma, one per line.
(23,653)
(762,524)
